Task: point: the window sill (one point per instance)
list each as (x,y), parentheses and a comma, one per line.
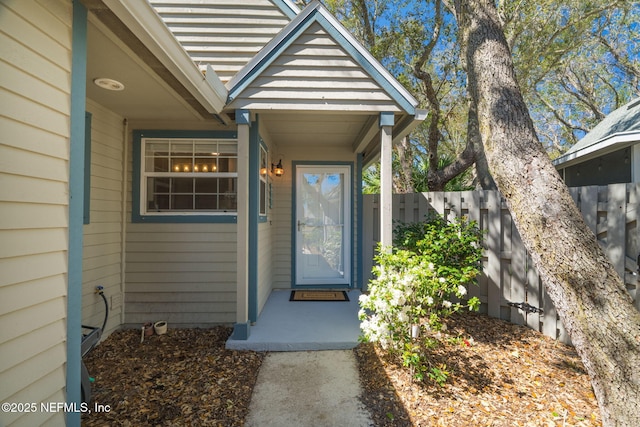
(231,218)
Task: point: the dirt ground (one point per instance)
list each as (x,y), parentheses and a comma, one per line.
(500,375)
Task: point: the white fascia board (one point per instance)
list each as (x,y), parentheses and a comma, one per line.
(147,25)
(287,7)
(604,145)
(365,53)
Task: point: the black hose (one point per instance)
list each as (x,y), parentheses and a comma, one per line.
(106,310)
(100,291)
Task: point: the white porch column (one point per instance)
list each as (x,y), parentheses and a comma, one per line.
(386,177)
(241,328)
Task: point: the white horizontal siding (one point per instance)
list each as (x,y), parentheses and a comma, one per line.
(182,273)
(102,242)
(315,73)
(35,64)
(222,33)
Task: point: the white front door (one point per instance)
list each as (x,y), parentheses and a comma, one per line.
(323,225)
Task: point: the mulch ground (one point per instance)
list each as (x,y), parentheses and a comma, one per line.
(500,375)
(507,376)
(182,378)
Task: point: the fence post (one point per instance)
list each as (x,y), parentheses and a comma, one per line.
(494,290)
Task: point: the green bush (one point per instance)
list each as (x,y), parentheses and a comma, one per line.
(418,282)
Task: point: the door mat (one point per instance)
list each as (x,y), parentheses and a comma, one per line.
(319,296)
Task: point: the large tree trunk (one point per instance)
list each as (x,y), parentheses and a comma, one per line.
(483,177)
(587,292)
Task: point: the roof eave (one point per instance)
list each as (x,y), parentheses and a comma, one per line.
(287,7)
(145,23)
(602,146)
(401,129)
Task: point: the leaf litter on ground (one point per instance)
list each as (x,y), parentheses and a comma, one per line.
(500,374)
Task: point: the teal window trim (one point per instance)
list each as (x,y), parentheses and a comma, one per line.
(136,215)
(262,216)
(87,168)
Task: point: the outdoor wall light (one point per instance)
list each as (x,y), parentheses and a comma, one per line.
(277,170)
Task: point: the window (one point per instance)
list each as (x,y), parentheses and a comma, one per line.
(188,176)
(263,181)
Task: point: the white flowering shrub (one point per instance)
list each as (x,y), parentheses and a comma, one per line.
(418,282)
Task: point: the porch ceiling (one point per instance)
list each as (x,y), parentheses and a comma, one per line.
(145,96)
(314,129)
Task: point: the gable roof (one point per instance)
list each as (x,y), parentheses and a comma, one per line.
(224,34)
(315,21)
(621,127)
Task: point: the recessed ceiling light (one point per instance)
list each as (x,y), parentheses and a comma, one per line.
(108,84)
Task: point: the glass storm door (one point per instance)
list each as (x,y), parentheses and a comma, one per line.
(323,226)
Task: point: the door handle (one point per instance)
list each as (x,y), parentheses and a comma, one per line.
(300,224)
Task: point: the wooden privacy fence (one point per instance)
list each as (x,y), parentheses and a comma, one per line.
(509,275)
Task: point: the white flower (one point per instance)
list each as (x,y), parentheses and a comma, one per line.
(363,299)
(397,297)
(442,279)
(462,290)
(429,300)
(431,266)
(446,304)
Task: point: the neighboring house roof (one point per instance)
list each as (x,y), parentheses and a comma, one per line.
(225,34)
(315,63)
(618,129)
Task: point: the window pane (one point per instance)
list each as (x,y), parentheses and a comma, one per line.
(156,148)
(159,203)
(208,202)
(263,198)
(181,149)
(226,164)
(182,185)
(158,164)
(228,202)
(228,185)
(228,196)
(206,185)
(202,165)
(182,202)
(230,150)
(263,162)
(157,185)
(181,164)
(206,149)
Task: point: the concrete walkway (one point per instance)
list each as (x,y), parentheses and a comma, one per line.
(285,325)
(313,388)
